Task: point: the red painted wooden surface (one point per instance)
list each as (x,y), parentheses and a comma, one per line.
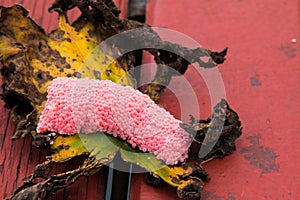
(261,78)
(262,82)
(18,158)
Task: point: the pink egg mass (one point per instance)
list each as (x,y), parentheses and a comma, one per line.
(88,106)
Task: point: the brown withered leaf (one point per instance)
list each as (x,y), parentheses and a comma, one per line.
(188,177)
(31,59)
(42,190)
(104,15)
(219,132)
(215,136)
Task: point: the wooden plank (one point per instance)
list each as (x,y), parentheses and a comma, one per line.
(18,158)
(261,77)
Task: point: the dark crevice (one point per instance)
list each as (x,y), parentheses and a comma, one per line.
(121,180)
(137,12)
(19,164)
(2,164)
(5,131)
(5,189)
(109,25)
(87,186)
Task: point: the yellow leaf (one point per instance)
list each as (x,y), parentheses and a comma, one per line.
(181,177)
(31,59)
(65,148)
(98,145)
(8,49)
(173,175)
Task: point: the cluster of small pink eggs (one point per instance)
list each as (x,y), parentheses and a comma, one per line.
(88,106)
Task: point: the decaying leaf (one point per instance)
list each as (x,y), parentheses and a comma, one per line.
(100,146)
(44,189)
(66,148)
(31,59)
(188,177)
(219,132)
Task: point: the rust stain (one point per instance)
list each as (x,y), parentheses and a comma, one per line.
(288,50)
(231,196)
(210,196)
(259,156)
(254,80)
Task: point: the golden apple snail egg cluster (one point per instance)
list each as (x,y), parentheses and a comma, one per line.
(88,106)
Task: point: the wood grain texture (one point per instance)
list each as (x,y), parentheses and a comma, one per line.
(261,78)
(18,158)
